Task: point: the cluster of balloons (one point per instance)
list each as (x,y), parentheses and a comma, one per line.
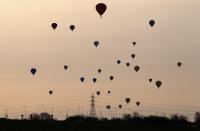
(55,25)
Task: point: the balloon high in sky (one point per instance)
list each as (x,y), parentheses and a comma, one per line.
(101,8)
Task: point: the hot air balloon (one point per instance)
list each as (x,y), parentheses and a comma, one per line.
(50,92)
(65,67)
(151,23)
(133,56)
(33,71)
(118,61)
(99,70)
(72,27)
(82,79)
(134,43)
(98,93)
(108,107)
(109,92)
(101,8)
(158,83)
(136,68)
(94,80)
(179,64)
(127,100)
(127,64)
(120,106)
(96,43)
(54,25)
(137,103)
(111,78)
(150,80)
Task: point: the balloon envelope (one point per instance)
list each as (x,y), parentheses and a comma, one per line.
(136,68)
(134,43)
(72,27)
(96,43)
(108,107)
(127,100)
(179,64)
(127,64)
(111,78)
(99,70)
(65,67)
(133,56)
(158,83)
(82,79)
(50,92)
(120,106)
(108,92)
(54,25)
(150,80)
(94,80)
(118,61)
(137,103)
(101,8)
(98,93)
(33,71)
(151,23)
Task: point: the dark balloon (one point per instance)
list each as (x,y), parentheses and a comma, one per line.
(150,80)
(109,92)
(99,70)
(118,61)
(127,64)
(108,107)
(65,67)
(111,78)
(96,43)
(120,106)
(33,71)
(54,25)
(158,84)
(94,80)
(179,64)
(151,23)
(137,103)
(50,92)
(127,100)
(82,79)
(133,56)
(72,27)
(134,43)
(136,68)
(101,8)
(98,93)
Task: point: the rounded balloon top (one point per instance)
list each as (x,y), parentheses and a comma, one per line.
(33,71)
(50,92)
(109,92)
(118,61)
(94,80)
(111,78)
(150,80)
(82,79)
(133,56)
(158,83)
(101,8)
(72,27)
(54,25)
(120,106)
(151,23)
(136,68)
(127,64)
(127,100)
(98,93)
(134,43)
(96,43)
(137,103)
(99,70)
(179,64)
(65,67)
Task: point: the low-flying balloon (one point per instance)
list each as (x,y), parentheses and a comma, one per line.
(33,71)
(82,79)
(118,61)
(98,93)
(127,64)
(54,25)
(94,80)
(127,100)
(120,106)
(65,67)
(133,56)
(179,64)
(96,43)
(72,27)
(50,92)
(136,68)
(158,83)
(137,103)
(151,23)
(101,8)
(111,78)
(99,70)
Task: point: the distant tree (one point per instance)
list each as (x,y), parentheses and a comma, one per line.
(177,117)
(136,114)
(126,116)
(34,116)
(197,117)
(45,116)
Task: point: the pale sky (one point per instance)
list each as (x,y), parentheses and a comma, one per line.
(27,40)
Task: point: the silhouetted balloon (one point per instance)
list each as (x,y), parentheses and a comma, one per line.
(33,71)
(179,64)
(94,80)
(96,43)
(120,106)
(151,23)
(127,100)
(137,103)
(134,43)
(133,56)
(108,92)
(136,68)
(111,78)
(158,83)
(54,25)
(99,70)
(98,93)
(118,61)
(65,67)
(101,8)
(108,107)
(72,27)
(50,92)
(127,64)
(82,79)
(150,80)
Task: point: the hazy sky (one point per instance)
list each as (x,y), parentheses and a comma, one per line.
(27,40)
